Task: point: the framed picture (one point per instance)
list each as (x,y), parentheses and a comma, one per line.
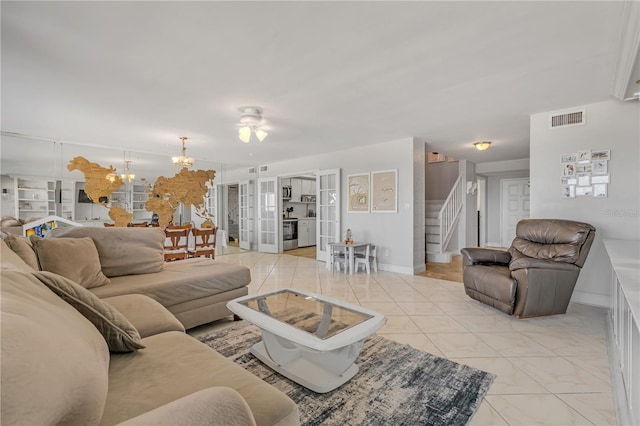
(568,158)
(358,193)
(602,154)
(600,166)
(568,169)
(436,157)
(600,190)
(584,191)
(583,156)
(603,178)
(384,191)
(584,168)
(568,180)
(568,191)
(584,179)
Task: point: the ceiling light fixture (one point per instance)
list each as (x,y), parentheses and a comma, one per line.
(482,146)
(250,121)
(127,176)
(183,160)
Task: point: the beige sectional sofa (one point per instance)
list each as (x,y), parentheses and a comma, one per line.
(195,290)
(69,357)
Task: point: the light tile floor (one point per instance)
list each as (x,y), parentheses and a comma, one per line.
(550,370)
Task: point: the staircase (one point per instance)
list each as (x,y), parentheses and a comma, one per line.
(441,217)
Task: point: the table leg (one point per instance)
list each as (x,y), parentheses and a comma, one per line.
(351,260)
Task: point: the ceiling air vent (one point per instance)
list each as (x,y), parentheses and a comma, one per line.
(263,168)
(565,119)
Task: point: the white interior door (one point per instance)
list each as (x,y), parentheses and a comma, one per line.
(246,213)
(328,211)
(515,207)
(268,235)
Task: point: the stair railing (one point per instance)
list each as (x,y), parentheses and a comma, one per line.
(450,211)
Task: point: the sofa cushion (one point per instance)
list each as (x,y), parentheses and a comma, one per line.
(145,314)
(117,331)
(11,260)
(181,281)
(174,365)
(73,258)
(22,247)
(122,251)
(54,362)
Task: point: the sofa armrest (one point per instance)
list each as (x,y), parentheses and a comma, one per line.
(531,263)
(217,406)
(146,315)
(474,256)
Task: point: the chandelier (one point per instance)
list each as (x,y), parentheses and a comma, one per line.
(250,122)
(183,160)
(127,176)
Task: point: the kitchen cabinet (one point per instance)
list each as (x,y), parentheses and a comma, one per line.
(308,187)
(296,189)
(306,232)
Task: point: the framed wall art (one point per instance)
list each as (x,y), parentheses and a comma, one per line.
(358,193)
(384,191)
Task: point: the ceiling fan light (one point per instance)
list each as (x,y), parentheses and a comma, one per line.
(261,134)
(244,133)
(482,146)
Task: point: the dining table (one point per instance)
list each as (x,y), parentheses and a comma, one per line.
(351,249)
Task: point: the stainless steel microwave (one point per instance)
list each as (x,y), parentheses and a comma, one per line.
(286,192)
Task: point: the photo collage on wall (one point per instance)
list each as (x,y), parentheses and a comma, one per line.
(585,173)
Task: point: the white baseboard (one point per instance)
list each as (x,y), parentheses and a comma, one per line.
(591,299)
(395,268)
(419,269)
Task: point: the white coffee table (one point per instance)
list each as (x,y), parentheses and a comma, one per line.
(312,339)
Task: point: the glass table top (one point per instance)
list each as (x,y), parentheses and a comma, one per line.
(321,318)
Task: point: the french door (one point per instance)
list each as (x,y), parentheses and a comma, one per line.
(328,211)
(515,207)
(246,213)
(268,235)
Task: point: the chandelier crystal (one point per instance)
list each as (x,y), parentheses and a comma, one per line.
(127,176)
(183,160)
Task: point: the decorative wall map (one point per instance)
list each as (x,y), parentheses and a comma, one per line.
(99,188)
(187,186)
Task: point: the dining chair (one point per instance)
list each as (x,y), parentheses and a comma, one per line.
(337,255)
(176,246)
(367,258)
(204,242)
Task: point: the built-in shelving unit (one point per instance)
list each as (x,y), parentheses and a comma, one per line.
(34,198)
(139,197)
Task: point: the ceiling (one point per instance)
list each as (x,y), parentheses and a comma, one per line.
(329,75)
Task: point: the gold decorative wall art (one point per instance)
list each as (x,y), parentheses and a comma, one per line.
(98,187)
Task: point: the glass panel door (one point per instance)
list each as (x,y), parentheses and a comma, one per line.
(247,213)
(268,235)
(328,211)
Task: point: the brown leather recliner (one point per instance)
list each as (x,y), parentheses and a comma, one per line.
(536,276)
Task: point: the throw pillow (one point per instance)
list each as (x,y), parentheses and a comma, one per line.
(117,331)
(73,258)
(23,248)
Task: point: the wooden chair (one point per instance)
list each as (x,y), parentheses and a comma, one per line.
(138,225)
(176,246)
(108,225)
(204,242)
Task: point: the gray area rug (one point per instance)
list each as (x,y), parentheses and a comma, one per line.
(396,384)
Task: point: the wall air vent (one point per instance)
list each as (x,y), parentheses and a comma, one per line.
(566,119)
(263,168)
(252,170)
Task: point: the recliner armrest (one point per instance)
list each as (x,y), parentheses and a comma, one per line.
(476,255)
(531,263)
(217,406)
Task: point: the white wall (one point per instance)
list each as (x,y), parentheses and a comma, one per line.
(439,179)
(392,233)
(8,204)
(609,125)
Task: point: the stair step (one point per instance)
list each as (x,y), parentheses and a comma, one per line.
(433,247)
(433,238)
(435,230)
(430,207)
(431,214)
(430,221)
